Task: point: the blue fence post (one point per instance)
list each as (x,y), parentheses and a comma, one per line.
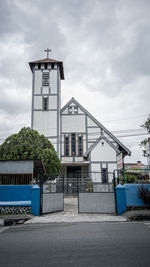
(121,199)
(35,200)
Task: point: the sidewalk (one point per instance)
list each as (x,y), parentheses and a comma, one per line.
(137,215)
(70,214)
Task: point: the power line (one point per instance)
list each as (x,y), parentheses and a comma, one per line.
(62,142)
(127,118)
(94,133)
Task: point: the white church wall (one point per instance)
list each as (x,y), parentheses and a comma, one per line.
(46,122)
(95,167)
(54,142)
(37,81)
(52,102)
(93,133)
(96,172)
(112,167)
(45,90)
(53,81)
(104,165)
(80,111)
(90,122)
(103,152)
(73,123)
(65,111)
(37,102)
(67,159)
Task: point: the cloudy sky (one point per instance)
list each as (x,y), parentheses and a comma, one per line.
(105,48)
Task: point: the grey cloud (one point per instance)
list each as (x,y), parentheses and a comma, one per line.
(104,46)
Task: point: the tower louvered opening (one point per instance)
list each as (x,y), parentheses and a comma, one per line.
(45,79)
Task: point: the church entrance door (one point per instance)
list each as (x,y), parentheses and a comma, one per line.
(71,183)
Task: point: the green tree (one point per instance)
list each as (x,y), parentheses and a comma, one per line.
(143,144)
(28,144)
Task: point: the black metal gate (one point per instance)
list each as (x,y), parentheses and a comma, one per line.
(54,190)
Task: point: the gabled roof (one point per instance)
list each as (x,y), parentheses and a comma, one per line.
(125,151)
(49,60)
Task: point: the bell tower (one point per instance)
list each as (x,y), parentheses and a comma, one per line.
(46,98)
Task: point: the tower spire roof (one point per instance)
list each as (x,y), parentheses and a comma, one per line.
(49,60)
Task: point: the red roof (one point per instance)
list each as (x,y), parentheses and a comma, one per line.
(49,60)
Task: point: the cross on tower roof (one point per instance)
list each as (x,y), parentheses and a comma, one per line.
(47,51)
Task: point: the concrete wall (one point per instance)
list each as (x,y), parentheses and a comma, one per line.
(21,195)
(52,202)
(97,203)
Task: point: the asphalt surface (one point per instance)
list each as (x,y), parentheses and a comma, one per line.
(76,244)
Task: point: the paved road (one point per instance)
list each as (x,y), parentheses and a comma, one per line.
(79,244)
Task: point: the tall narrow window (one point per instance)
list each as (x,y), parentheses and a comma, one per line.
(45,78)
(66,152)
(104,176)
(73,144)
(45,103)
(80,146)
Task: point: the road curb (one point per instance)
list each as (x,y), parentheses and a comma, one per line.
(139,218)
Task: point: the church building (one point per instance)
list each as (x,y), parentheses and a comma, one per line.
(82,143)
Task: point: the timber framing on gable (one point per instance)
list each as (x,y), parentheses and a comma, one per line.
(122,148)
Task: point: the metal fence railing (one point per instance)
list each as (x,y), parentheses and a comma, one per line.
(78,182)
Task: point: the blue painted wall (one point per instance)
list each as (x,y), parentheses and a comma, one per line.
(15,192)
(22,193)
(132,198)
(121,199)
(35,200)
(127,196)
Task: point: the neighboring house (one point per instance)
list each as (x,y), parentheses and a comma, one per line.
(19,172)
(138,166)
(83,144)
